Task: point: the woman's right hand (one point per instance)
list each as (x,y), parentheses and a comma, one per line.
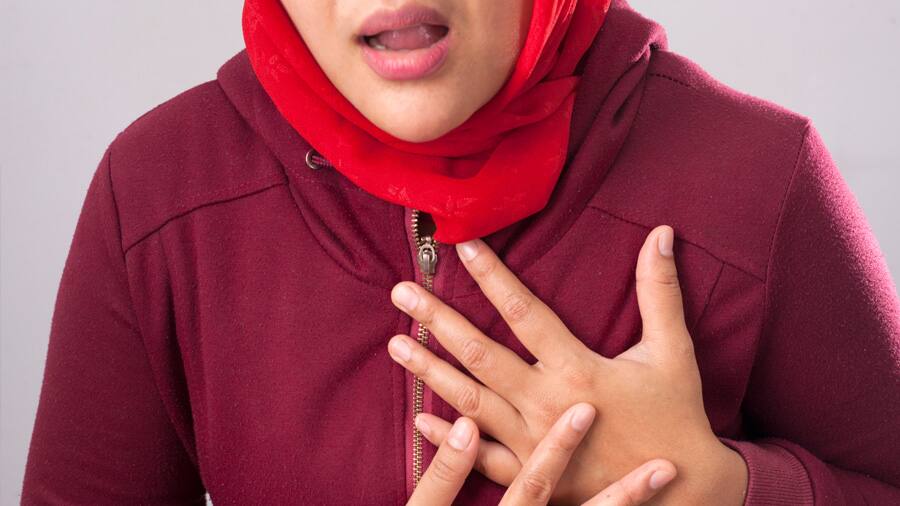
(460,445)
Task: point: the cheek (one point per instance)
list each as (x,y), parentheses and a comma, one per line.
(317,21)
(498,36)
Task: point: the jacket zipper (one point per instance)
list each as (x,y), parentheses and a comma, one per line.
(426,257)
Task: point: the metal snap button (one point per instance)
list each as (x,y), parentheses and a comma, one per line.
(315,161)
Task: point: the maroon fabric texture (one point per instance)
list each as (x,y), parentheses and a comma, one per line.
(222,319)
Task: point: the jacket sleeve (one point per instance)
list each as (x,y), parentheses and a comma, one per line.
(102,435)
(824,391)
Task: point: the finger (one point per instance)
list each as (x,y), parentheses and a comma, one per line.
(495,365)
(659,292)
(451,465)
(529,318)
(636,487)
(491,412)
(536,481)
(495,461)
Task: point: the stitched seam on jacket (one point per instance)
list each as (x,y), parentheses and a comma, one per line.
(804,136)
(112,194)
(138,330)
(347,185)
(670,78)
(185,210)
(709,296)
(612,165)
(596,207)
(165,258)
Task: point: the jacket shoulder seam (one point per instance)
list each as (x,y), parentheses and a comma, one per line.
(133,306)
(709,295)
(207,199)
(716,256)
(804,137)
(115,202)
(670,78)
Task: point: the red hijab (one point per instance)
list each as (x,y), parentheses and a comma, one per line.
(496,168)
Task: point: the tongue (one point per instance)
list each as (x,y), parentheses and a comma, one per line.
(413,37)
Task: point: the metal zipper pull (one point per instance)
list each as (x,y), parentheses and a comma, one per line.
(427,255)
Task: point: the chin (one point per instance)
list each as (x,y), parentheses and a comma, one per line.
(418,123)
(415,132)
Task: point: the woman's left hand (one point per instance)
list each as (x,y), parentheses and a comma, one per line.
(648,398)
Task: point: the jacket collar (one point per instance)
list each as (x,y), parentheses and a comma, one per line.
(363,241)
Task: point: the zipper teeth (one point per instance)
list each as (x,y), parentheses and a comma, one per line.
(422,338)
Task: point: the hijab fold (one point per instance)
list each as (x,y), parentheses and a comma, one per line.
(496,168)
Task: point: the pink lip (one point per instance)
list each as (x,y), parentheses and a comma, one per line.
(408,15)
(408,64)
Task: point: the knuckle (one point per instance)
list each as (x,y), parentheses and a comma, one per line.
(427,311)
(517,307)
(667,280)
(578,378)
(421,365)
(562,444)
(485,267)
(475,355)
(468,401)
(621,492)
(547,409)
(536,486)
(443,470)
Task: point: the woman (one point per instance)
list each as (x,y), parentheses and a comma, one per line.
(685,259)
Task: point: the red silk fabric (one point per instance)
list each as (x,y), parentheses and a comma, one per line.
(496,168)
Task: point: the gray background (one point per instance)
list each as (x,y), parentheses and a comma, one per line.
(76,73)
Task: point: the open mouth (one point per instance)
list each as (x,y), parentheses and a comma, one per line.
(409,43)
(408,38)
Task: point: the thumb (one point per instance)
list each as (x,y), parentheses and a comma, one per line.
(659,291)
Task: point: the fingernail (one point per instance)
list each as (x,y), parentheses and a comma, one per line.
(405,297)
(660,478)
(400,349)
(582,418)
(460,435)
(422,425)
(664,241)
(467,250)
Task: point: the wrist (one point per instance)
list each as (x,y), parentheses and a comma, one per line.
(717,475)
(728,483)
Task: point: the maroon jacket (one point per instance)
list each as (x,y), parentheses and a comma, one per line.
(222,319)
